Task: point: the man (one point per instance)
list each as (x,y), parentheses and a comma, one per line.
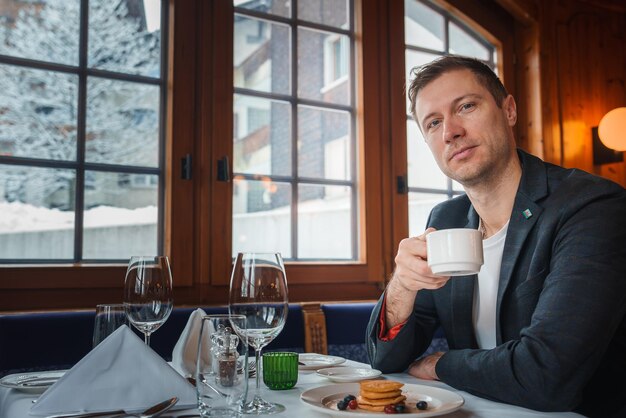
(543,323)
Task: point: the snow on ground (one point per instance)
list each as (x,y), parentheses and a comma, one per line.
(18,216)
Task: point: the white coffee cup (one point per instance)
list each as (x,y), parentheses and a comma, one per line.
(455,252)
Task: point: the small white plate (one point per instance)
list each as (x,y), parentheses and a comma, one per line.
(440,401)
(35,382)
(314,361)
(348,374)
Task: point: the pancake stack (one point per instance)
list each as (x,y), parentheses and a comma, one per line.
(376,394)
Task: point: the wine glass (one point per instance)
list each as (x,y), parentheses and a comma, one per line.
(148,293)
(258,290)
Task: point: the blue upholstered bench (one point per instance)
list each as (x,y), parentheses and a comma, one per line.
(346,324)
(58,340)
(38,341)
(345,329)
(291,338)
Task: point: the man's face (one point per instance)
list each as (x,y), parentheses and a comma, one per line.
(470,137)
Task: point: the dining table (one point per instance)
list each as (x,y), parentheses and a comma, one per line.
(16,404)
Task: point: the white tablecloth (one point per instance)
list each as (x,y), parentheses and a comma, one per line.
(15,404)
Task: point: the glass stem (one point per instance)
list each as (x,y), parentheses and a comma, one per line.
(257,356)
(146,338)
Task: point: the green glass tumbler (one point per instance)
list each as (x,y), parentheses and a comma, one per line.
(280,370)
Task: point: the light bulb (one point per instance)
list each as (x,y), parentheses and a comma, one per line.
(612,129)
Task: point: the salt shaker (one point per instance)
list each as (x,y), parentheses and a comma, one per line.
(225,351)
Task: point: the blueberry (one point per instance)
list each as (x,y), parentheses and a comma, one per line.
(422,405)
(342,405)
(348,398)
(400,408)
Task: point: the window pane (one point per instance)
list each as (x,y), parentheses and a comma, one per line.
(274,7)
(325,222)
(323,143)
(414,60)
(462,43)
(323,66)
(120,216)
(328,12)
(420,205)
(38,111)
(423,170)
(40,30)
(262,142)
(261,216)
(37,206)
(423,26)
(265,129)
(122,122)
(262,55)
(125,36)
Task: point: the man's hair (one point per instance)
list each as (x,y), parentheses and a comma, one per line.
(422,76)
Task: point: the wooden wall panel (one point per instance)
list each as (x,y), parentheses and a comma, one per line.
(588,76)
(582,73)
(529,104)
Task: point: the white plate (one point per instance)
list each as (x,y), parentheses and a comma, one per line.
(440,401)
(35,382)
(348,374)
(314,361)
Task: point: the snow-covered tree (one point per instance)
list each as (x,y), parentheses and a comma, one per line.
(39,108)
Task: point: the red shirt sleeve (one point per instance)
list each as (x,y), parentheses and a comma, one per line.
(384,334)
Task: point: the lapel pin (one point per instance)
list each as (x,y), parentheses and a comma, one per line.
(527,213)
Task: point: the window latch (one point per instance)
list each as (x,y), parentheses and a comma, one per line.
(223,170)
(401,184)
(185,172)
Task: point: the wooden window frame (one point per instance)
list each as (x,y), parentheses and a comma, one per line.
(364,277)
(197,211)
(83,284)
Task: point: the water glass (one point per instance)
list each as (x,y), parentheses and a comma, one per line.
(221,366)
(280,370)
(109,317)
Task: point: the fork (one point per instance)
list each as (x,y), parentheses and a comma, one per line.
(251,368)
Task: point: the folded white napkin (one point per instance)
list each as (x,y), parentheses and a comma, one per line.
(119,373)
(186,348)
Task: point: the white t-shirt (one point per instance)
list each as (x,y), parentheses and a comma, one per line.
(486,290)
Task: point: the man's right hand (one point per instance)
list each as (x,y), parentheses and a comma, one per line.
(411,275)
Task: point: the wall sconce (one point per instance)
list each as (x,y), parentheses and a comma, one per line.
(609,138)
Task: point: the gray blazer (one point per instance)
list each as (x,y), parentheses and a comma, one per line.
(561,328)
